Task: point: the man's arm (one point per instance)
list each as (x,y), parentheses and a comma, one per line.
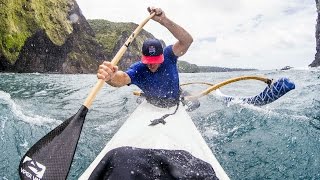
(120,79)
(110,74)
(183,37)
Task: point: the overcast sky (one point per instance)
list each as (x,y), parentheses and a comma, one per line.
(262,34)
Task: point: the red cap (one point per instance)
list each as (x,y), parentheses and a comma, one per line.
(152,52)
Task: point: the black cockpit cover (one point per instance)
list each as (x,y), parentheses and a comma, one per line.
(136,163)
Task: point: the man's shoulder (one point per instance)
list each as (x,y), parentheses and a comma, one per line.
(168,48)
(136,66)
(169,54)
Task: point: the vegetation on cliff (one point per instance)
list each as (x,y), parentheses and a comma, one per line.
(20,19)
(186,67)
(113,35)
(109,33)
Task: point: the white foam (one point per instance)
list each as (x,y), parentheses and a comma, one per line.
(3,123)
(260,109)
(270,112)
(210,132)
(41,93)
(25,144)
(5,98)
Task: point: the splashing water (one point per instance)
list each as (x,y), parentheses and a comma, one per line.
(280,140)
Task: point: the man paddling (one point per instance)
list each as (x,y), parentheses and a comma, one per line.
(156,74)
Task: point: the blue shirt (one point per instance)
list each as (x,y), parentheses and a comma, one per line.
(164,83)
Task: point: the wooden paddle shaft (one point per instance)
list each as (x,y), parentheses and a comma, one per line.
(115,61)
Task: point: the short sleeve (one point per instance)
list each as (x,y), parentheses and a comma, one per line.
(132,72)
(168,53)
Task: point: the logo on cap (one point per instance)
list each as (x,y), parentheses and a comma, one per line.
(152,50)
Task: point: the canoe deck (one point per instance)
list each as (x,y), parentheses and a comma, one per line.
(179,133)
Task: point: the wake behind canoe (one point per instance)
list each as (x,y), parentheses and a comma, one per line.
(175,149)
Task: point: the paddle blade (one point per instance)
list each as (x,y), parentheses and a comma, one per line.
(52,155)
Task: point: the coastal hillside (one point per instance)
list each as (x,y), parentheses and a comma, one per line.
(53,36)
(113,35)
(49,36)
(185,67)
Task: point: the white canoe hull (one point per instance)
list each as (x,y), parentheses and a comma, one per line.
(179,133)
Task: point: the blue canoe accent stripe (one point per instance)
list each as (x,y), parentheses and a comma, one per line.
(269,94)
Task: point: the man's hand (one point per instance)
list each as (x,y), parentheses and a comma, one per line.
(184,38)
(160,15)
(107,71)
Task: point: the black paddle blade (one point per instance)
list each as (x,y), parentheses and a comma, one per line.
(52,155)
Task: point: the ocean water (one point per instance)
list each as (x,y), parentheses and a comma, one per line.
(280,140)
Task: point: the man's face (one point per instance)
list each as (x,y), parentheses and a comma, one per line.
(153,67)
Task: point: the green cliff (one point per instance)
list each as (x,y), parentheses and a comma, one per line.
(53,36)
(50,36)
(113,35)
(20,19)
